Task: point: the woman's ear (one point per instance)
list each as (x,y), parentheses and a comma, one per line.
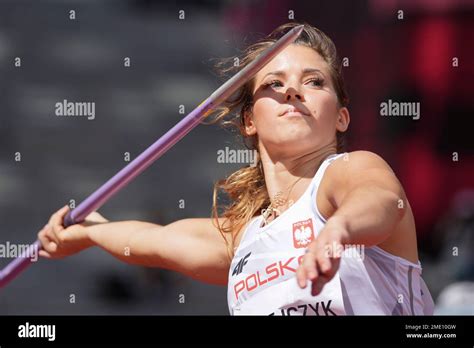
(249,123)
(343,119)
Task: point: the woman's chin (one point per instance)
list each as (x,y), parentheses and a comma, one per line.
(297,141)
(297,133)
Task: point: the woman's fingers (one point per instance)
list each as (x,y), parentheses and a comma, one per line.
(49,235)
(56,224)
(318,266)
(56,232)
(43,238)
(49,232)
(330,266)
(49,248)
(323,263)
(45,254)
(46,241)
(59,242)
(308,267)
(57,217)
(301,276)
(47,244)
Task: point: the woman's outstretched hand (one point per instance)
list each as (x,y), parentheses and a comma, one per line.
(59,242)
(323,256)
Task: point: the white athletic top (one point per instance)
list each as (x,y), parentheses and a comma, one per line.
(369,281)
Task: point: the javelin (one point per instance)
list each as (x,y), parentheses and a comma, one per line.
(152,153)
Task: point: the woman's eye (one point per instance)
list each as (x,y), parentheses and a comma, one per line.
(316,82)
(273,84)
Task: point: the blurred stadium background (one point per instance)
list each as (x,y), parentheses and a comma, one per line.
(171,64)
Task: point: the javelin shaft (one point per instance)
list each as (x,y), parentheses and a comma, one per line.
(157,149)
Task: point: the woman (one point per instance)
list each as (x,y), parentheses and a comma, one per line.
(310,230)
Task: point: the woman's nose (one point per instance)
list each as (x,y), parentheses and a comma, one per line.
(293,93)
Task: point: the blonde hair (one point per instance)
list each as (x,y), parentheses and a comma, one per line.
(246,187)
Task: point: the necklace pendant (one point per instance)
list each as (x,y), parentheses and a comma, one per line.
(266,213)
(279,199)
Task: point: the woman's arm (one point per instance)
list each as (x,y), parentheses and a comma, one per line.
(368,203)
(193,247)
(367,197)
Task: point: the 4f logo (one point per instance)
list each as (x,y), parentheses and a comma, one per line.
(240,265)
(303,233)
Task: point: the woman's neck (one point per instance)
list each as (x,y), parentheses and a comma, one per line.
(288,178)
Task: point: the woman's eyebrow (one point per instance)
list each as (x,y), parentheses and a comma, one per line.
(306,71)
(276,73)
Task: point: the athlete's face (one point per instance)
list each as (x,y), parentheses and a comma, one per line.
(295,106)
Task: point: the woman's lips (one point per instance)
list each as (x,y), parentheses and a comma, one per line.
(293,111)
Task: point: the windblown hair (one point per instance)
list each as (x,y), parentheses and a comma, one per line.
(246,187)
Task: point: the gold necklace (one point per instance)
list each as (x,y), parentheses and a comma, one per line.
(279,200)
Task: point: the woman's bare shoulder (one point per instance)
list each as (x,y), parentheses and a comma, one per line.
(354,165)
(349,171)
(359,160)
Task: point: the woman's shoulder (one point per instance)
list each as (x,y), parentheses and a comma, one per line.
(352,168)
(362,158)
(355,162)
